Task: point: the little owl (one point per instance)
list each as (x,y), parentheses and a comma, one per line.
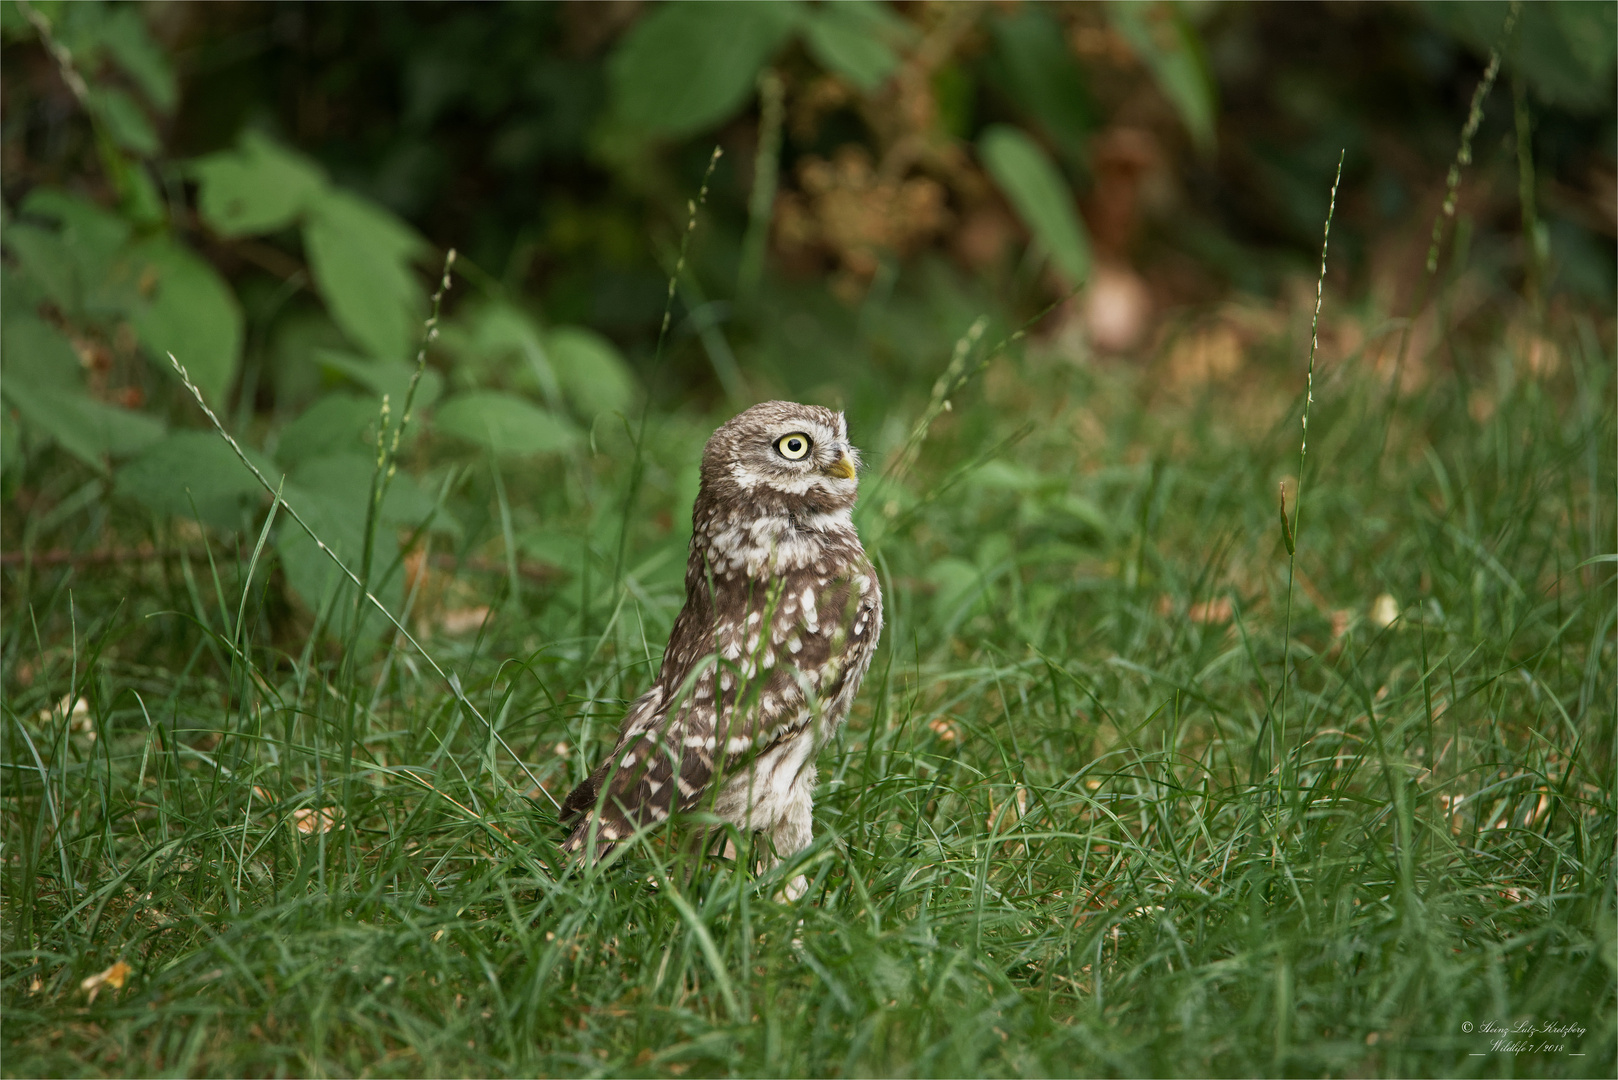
(782,613)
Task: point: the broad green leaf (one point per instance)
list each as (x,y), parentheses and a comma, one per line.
(124,35)
(126,121)
(1563,50)
(44,259)
(501,330)
(44,383)
(86,226)
(50,412)
(192,314)
(688,65)
(1591,33)
(331,425)
(846,36)
(504,423)
(66,417)
(332,493)
(1033,65)
(11,455)
(591,371)
(337,516)
(73,263)
(1168,44)
(197,467)
(259,187)
(1040,196)
(34,353)
(390,377)
(20,294)
(360,255)
(346,476)
(120,432)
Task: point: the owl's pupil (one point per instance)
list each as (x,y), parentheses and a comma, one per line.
(794,445)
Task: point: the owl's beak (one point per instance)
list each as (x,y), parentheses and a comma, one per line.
(842,468)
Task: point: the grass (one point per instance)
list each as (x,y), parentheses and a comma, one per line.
(1069,829)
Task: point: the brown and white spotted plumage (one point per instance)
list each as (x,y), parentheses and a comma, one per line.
(782,614)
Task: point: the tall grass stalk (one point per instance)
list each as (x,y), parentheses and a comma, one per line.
(1452,187)
(1290,532)
(637,464)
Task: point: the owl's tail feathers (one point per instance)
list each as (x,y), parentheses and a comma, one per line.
(583,810)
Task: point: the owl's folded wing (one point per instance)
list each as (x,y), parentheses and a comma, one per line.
(755,692)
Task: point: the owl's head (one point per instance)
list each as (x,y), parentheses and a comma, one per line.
(780,455)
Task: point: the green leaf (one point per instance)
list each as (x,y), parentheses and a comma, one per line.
(591,371)
(332,503)
(346,475)
(499,331)
(11,455)
(196,467)
(360,255)
(85,225)
(124,34)
(90,430)
(193,314)
(331,493)
(504,423)
(1033,65)
(390,377)
(44,259)
(45,384)
(126,121)
(259,187)
(1040,196)
(846,36)
(73,263)
(36,354)
(1168,44)
(334,424)
(1563,50)
(20,294)
(688,65)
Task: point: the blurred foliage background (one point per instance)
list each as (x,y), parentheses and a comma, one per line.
(267,191)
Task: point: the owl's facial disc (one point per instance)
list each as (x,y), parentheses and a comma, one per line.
(800,453)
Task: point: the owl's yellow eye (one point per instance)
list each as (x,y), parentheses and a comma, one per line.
(793,447)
